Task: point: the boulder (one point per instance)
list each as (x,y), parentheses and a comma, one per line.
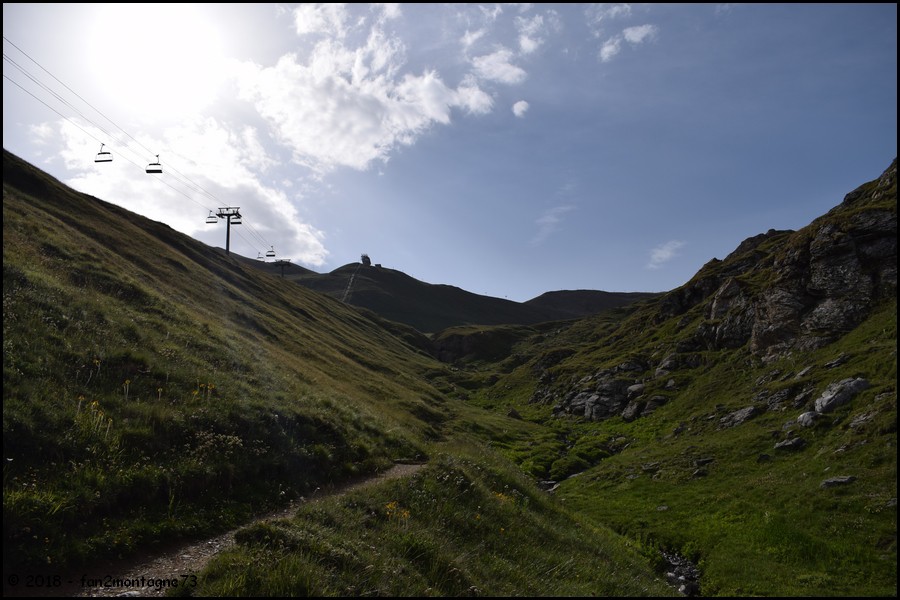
(840,393)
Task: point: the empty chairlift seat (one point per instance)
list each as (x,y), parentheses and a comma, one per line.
(155,167)
(103,156)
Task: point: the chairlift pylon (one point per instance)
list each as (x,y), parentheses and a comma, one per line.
(212,218)
(103,156)
(271,253)
(155,167)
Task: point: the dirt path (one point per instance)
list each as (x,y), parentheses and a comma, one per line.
(183,562)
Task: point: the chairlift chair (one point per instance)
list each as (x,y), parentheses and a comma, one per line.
(271,253)
(103,156)
(236,220)
(155,167)
(259,256)
(212,218)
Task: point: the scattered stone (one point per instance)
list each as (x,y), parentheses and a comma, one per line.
(682,574)
(514,414)
(739,416)
(700,462)
(699,473)
(791,444)
(632,411)
(840,393)
(860,420)
(662,508)
(808,419)
(803,373)
(836,481)
(802,398)
(774,401)
(837,362)
(763,458)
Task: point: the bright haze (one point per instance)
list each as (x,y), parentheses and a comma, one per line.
(507,149)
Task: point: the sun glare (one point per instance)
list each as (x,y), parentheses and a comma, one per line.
(155,60)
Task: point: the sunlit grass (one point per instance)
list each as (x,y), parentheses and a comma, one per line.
(468,524)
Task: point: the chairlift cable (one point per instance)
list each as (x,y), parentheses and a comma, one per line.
(75,93)
(178,176)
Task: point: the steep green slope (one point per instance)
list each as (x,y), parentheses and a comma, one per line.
(746,420)
(142,369)
(157,390)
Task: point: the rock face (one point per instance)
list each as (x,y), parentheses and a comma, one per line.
(777,292)
(809,287)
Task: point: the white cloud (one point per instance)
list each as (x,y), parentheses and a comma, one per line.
(596,14)
(329,19)
(549,222)
(491,14)
(529,33)
(664,253)
(42,133)
(636,35)
(633,35)
(520,108)
(610,48)
(470,37)
(389,10)
(349,106)
(497,67)
(472,98)
(722,9)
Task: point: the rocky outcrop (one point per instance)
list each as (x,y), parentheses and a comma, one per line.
(778,291)
(783,290)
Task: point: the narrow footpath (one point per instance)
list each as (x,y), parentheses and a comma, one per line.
(186,561)
(189,560)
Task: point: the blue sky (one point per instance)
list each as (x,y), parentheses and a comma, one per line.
(507,149)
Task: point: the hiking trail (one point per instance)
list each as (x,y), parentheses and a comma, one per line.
(188,559)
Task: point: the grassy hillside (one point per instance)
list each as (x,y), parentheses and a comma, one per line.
(142,369)
(713,469)
(157,390)
(753,517)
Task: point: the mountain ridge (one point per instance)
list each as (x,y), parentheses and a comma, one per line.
(432,307)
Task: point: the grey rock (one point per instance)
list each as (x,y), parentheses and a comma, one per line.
(836,481)
(739,416)
(791,444)
(840,393)
(808,419)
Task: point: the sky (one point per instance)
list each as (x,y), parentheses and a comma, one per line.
(506,149)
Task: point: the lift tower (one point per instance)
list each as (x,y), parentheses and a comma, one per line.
(232,215)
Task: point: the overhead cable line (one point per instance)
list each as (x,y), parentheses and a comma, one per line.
(181,178)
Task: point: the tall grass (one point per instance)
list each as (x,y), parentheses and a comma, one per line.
(468,524)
